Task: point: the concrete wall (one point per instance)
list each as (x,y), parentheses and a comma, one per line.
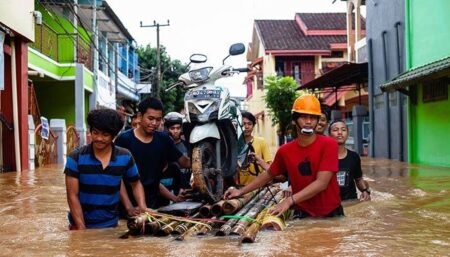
(18,15)
(62,103)
(428,31)
(427,41)
(386,51)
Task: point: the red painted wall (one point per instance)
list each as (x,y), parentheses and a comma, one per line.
(6,104)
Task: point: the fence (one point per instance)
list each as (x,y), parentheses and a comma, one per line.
(46,149)
(60,46)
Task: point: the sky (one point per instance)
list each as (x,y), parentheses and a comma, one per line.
(209,26)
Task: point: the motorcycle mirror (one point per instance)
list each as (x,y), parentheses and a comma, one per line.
(198,58)
(235,49)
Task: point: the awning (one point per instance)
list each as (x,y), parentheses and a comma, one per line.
(419,74)
(333,97)
(346,74)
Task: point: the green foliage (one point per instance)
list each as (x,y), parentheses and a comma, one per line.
(170,71)
(281,93)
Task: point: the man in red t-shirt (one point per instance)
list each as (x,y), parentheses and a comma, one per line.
(311,162)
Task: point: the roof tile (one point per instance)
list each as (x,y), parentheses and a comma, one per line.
(327,21)
(286,35)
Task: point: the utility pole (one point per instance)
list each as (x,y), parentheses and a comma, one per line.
(156,87)
(94,96)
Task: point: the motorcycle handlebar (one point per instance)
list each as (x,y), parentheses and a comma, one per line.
(231,71)
(243,69)
(174,85)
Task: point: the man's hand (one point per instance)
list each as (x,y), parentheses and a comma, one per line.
(180,197)
(365,196)
(281,207)
(79,227)
(232,192)
(133,211)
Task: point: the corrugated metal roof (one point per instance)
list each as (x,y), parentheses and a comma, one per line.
(428,71)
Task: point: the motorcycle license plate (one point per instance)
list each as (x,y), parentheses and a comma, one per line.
(205,94)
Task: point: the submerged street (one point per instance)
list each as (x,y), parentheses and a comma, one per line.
(409,215)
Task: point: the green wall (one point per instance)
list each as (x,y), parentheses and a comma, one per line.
(430,128)
(429,33)
(65,42)
(56,100)
(427,40)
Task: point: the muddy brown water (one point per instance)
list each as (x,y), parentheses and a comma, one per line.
(409,215)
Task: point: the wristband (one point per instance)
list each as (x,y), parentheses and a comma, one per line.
(366,190)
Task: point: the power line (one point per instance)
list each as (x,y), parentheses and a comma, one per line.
(90,39)
(56,19)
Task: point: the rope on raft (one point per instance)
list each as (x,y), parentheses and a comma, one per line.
(176,218)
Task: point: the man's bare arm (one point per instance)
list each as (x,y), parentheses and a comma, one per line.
(72,188)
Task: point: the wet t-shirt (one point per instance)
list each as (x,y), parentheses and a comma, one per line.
(302,164)
(349,171)
(150,159)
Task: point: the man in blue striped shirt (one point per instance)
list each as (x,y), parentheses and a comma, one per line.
(94,175)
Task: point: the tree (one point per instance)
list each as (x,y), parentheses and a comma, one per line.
(170,71)
(281,93)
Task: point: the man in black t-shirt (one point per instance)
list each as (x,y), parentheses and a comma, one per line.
(152,150)
(350,174)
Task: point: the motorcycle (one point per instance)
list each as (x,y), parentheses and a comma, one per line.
(213,125)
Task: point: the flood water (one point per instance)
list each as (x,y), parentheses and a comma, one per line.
(409,215)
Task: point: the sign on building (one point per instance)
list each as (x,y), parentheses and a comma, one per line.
(45,129)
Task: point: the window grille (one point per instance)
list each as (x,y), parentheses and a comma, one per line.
(435,90)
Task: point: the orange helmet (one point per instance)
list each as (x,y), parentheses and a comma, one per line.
(307,104)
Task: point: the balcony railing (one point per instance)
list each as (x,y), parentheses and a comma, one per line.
(60,46)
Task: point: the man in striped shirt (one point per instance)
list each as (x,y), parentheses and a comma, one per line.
(94,175)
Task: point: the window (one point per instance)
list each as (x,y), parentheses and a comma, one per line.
(296,72)
(334,54)
(279,67)
(435,90)
(259,80)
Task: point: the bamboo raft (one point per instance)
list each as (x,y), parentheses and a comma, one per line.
(243,217)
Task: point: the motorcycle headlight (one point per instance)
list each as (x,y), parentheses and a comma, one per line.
(204,117)
(192,109)
(200,74)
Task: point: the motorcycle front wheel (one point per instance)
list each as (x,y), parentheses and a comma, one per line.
(207,178)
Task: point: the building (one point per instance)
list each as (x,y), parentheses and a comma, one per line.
(17,19)
(79,64)
(425,82)
(304,48)
(386,53)
(68,58)
(346,84)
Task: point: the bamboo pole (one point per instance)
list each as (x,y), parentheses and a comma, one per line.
(168,228)
(141,224)
(226,228)
(192,230)
(205,229)
(231,206)
(184,226)
(249,235)
(242,224)
(216,209)
(205,210)
(276,223)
